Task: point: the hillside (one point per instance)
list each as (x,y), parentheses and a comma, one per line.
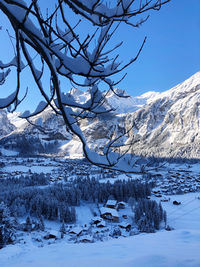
(175,248)
(169,125)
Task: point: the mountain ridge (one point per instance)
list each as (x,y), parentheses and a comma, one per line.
(169,125)
(163,124)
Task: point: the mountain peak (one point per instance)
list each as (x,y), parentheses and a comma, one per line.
(192,84)
(76,92)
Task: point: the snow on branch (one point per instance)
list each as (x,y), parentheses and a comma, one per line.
(101,12)
(85,61)
(3,76)
(41,107)
(7,101)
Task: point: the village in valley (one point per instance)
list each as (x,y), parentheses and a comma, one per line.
(113,220)
(89,217)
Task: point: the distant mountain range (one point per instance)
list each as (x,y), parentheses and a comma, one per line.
(165,125)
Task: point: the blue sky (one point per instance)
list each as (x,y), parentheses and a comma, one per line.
(171,53)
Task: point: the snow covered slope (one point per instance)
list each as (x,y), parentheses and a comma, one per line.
(177,248)
(6,126)
(164,124)
(125,104)
(15,120)
(45,135)
(96,131)
(169,126)
(129,104)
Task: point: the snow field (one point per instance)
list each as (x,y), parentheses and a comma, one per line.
(177,248)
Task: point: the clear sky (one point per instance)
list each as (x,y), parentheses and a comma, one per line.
(171,53)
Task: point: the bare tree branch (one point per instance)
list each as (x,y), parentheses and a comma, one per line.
(65,54)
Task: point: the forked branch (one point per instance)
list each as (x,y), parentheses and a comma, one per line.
(66,54)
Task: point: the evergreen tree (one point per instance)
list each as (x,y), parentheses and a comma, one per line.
(148,215)
(62,230)
(41,223)
(73,214)
(7,227)
(28,224)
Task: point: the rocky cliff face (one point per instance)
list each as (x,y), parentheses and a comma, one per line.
(169,126)
(6,126)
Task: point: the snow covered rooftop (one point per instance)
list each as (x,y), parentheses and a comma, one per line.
(124,224)
(76,230)
(101,224)
(86,238)
(112,212)
(111,202)
(97,219)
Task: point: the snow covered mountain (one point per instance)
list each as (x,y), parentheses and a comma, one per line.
(169,125)
(164,125)
(130,103)
(6,126)
(15,120)
(120,105)
(32,138)
(27,138)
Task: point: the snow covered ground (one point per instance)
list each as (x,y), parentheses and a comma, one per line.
(177,248)
(7,152)
(34,169)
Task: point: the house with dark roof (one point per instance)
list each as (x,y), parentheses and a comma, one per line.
(109,214)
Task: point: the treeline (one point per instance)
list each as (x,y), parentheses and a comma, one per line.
(90,189)
(32,195)
(34,179)
(149,215)
(37,202)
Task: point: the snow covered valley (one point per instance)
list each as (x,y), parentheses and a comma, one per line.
(179,247)
(86,244)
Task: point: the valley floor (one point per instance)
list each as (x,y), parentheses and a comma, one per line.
(179,247)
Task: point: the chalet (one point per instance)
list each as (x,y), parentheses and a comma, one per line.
(158,195)
(51,235)
(86,239)
(165,190)
(164,199)
(109,214)
(176,202)
(121,205)
(76,231)
(125,225)
(96,220)
(164,186)
(112,204)
(101,224)
(156,191)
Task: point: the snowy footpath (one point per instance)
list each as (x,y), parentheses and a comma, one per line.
(177,248)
